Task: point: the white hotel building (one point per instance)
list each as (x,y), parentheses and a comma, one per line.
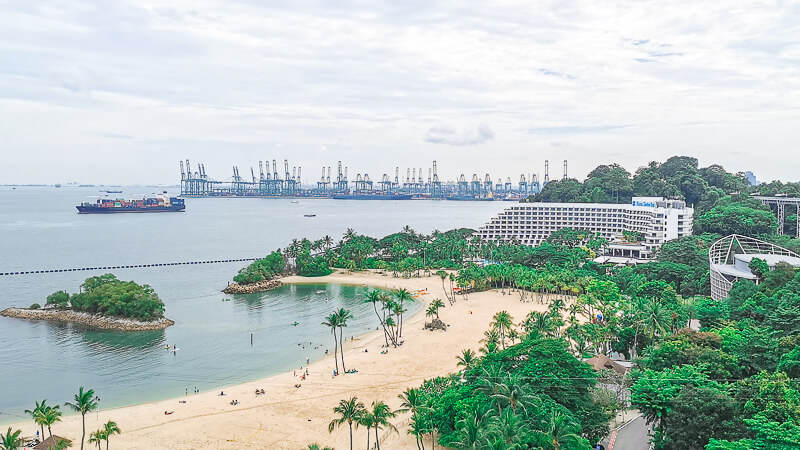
(657,219)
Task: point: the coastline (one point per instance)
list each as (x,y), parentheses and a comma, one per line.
(292,418)
(86,319)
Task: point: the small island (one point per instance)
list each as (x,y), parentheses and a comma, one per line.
(104,302)
(260,276)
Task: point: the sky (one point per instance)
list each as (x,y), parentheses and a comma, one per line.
(118,92)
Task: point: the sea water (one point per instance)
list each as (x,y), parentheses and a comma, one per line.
(40,230)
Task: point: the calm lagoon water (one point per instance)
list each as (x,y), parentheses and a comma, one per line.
(40,229)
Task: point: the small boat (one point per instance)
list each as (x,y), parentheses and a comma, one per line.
(309,215)
(295,201)
(295,323)
(320,291)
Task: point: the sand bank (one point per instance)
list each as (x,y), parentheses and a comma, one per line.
(291,418)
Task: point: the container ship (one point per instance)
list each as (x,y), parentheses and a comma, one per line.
(159,203)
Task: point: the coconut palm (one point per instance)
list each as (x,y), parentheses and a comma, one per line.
(110,429)
(341,321)
(367,420)
(11,440)
(415,428)
(37,413)
(317,447)
(466,359)
(514,396)
(61,445)
(374,297)
(443,275)
(503,323)
(327,242)
(411,400)
(432,311)
(85,401)
(381,414)
(52,414)
(562,430)
(96,437)
(349,234)
(402,295)
(332,322)
(349,412)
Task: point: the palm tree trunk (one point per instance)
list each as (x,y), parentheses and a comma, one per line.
(107,442)
(377,441)
(83,436)
(383,325)
(341,345)
(351,436)
(49,430)
(367,438)
(336,351)
(433,439)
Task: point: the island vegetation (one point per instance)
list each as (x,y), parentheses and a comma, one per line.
(732,384)
(103,302)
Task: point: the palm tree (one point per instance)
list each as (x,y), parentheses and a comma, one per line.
(381,414)
(402,295)
(466,358)
(110,429)
(349,234)
(432,311)
(332,322)
(327,242)
(341,321)
(37,413)
(52,414)
(443,275)
(367,420)
(438,303)
(85,401)
(61,445)
(317,447)
(514,396)
(562,430)
(350,411)
(96,437)
(11,440)
(415,428)
(374,297)
(411,401)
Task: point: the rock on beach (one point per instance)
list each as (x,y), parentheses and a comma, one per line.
(91,320)
(261,286)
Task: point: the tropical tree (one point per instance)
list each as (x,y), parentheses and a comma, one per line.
(11,440)
(109,429)
(381,414)
(341,321)
(349,412)
(375,297)
(332,321)
(466,358)
(562,430)
(84,402)
(443,275)
(503,323)
(402,295)
(367,420)
(52,414)
(61,445)
(38,414)
(96,437)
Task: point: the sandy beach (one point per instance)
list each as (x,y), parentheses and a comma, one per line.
(287,417)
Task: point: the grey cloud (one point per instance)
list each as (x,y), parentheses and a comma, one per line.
(465,136)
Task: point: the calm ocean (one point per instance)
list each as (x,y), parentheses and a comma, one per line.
(40,229)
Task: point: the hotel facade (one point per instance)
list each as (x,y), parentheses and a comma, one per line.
(657,219)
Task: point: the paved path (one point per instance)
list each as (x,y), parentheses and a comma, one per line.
(633,436)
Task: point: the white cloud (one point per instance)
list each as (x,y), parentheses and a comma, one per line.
(451,136)
(232,82)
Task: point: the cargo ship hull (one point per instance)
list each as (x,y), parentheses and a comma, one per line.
(136,209)
(371,197)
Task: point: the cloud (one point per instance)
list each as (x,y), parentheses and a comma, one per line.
(575,129)
(464,136)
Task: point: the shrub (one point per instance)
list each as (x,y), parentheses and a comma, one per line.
(36,306)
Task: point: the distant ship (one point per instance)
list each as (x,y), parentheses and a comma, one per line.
(113,192)
(372,196)
(468,198)
(159,203)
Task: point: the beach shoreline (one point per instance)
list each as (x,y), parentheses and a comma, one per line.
(289,417)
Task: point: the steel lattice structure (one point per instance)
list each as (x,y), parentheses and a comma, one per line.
(722,253)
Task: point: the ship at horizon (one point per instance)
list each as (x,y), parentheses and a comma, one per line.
(159,203)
